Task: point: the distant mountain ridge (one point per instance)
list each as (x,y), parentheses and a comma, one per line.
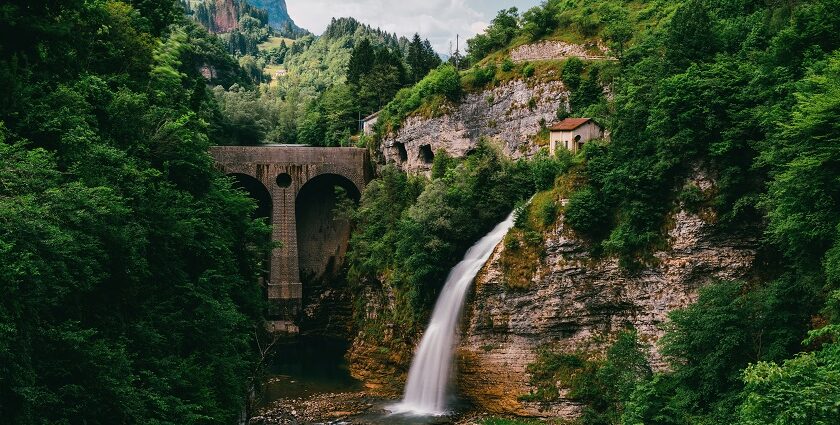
(278,14)
(223,16)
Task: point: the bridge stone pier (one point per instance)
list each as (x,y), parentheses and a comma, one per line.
(295,188)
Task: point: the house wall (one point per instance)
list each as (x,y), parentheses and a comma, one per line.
(367,126)
(565,139)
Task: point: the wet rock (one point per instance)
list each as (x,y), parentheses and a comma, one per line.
(328,408)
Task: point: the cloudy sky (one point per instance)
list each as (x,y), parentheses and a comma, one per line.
(437,20)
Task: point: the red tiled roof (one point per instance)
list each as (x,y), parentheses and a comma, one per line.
(569,124)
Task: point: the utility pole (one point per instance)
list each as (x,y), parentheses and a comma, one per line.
(457,51)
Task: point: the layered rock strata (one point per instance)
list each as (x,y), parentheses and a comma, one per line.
(510,115)
(575,304)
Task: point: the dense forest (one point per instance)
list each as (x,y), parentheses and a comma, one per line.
(127,263)
(314,89)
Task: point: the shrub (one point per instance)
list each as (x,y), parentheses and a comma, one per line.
(691,198)
(528,71)
(507,65)
(545,169)
(483,76)
(443,83)
(587,213)
(547,213)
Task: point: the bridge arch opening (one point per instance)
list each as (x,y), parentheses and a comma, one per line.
(257,191)
(322,235)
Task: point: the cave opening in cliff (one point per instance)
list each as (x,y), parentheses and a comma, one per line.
(426,154)
(403,154)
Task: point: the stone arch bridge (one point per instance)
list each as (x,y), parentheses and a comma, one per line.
(295,187)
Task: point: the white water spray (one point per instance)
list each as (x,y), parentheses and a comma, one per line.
(429,377)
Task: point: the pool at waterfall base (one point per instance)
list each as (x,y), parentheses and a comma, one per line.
(312,384)
(309,383)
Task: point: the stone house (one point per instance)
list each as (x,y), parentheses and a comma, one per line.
(368,122)
(572,133)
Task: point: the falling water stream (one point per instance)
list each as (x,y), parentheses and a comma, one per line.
(426,392)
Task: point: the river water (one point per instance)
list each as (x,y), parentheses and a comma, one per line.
(306,366)
(309,383)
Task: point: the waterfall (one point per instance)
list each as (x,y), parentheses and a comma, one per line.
(430,373)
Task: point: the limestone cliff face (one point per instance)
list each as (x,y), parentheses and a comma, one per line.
(377,357)
(555,50)
(511,114)
(225,18)
(574,303)
(278,13)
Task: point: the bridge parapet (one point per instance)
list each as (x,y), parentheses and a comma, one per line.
(284,170)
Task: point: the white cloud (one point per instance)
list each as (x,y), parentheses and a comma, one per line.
(437,20)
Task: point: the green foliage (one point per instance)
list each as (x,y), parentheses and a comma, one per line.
(801,206)
(671,115)
(417,236)
(745,93)
(803,390)
(546,168)
(501,31)
(540,20)
(247,117)
(327,84)
(712,341)
(480,76)
(442,163)
(602,385)
(128,263)
(691,198)
(421,58)
(375,79)
(507,65)
(587,212)
(690,37)
(338,111)
(803,200)
(528,70)
(441,83)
